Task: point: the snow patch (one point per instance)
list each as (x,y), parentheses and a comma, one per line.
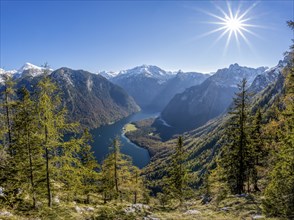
(89,84)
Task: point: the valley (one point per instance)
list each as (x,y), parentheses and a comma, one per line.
(103,136)
(147,110)
(148,139)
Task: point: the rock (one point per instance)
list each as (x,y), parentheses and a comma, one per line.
(2,192)
(225,209)
(192,212)
(243,195)
(149,217)
(140,207)
(6,214)
(190,203)
(258,217)
(89,209)
(205,199)
(39,204)
(78,209)
(137,208)
(56,199)
(129,210)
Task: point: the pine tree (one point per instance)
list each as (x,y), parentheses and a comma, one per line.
(60,156)
(116,174)
(136,185)
(90,166)
(50,135)
(28,154)
(178,172)
(257,148)
(8,105)
(10,178)
(236,154)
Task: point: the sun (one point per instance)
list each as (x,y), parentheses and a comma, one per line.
(232,23)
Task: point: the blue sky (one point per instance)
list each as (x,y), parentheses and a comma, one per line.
(116,35)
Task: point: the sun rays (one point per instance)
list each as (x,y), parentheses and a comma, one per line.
(233,24)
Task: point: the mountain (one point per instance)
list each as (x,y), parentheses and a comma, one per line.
(27,70)
(4,73)
(200,103)
(90,98)
(143,83)
(153,87)
(269,76)
(175,85)
(203,144)
(108,75)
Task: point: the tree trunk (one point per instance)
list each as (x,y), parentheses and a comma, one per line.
(88,198)
(104,197)
(135,197)
(8,120)
(31,170)
(49,195)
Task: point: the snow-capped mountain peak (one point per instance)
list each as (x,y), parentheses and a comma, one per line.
(235,73)
(4,73)
(108,74)
(31,70)
(144,70)
(29,66)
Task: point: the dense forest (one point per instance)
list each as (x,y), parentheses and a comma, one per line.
(48,170)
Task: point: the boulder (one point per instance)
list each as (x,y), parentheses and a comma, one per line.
(192,212)
(5,213)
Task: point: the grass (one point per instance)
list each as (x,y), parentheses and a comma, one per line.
(129,128)
(239,209)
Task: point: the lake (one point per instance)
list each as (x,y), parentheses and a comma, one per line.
(104,135)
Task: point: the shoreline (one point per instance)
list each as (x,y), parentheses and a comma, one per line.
(137,145)
(124,134)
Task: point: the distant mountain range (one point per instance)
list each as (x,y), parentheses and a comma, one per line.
(153,87)
(186,100)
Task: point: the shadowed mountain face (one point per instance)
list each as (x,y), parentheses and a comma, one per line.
(92,99)
(152,87)
(175,85)
(89,98)
(198,104)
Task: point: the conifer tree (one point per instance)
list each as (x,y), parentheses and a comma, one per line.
(50,135)
(236,154)
(136,185)
(8,105)
(178,173)
(257,148)
(28,154)
(53,125)
(116,173)
(90,166)
(10,178)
